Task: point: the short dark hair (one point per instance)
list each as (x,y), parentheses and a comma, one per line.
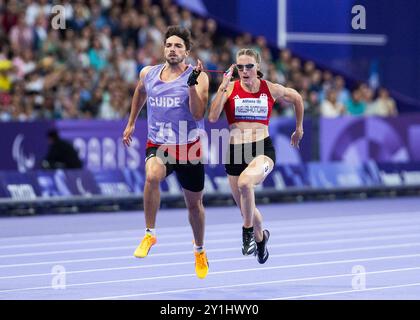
(181,32)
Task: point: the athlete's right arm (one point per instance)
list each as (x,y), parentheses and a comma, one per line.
(223,93)
(137,103)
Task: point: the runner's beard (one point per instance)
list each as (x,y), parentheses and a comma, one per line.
(174,60)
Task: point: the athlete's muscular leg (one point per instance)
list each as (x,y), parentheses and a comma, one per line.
(194,202)
(155,173)
(257,217)
(253,175)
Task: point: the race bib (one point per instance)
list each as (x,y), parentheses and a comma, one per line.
(251,108)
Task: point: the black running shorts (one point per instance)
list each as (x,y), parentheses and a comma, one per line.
(190,175)
(237,162)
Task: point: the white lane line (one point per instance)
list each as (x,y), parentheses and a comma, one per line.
(305,221)
(181,243)
(177,253)
(71,242)
(219,231)
(69,234)
(33,254)
(260,269)
(256,284)
(416,284)
(213,261)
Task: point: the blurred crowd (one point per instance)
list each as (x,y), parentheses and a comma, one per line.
(89,69)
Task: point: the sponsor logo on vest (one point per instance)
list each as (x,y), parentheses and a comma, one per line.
(165,102)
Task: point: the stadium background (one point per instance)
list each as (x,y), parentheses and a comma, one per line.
(360,154)
(360,88)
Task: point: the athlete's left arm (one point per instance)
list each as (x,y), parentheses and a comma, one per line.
(290,95)
(199,94)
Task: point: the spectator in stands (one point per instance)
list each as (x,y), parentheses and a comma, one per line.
(24,63)
(40,31)
(5,107)
(331,107)
(283,64)
(97,55)
(36,9)
(327,81)
(61,153)
(21,35)
(384,105)
(355,106)
(343,94)
(105,38)
(309,68)
(5,81)
(127,65)
(316,81)
(314,108)
(10,16)
(367,98)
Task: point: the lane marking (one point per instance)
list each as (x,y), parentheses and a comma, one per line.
(293,254)
(303,243)
(416,284)
(304,221)
(220,272)
(410,227)
(257,284)
(278,225)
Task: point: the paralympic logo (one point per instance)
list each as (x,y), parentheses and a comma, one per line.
(24,162)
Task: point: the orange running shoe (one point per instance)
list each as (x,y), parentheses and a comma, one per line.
(201,264)
(145,245)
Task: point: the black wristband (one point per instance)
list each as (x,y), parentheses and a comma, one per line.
(192,79)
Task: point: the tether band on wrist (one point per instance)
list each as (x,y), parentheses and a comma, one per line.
(192,79)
